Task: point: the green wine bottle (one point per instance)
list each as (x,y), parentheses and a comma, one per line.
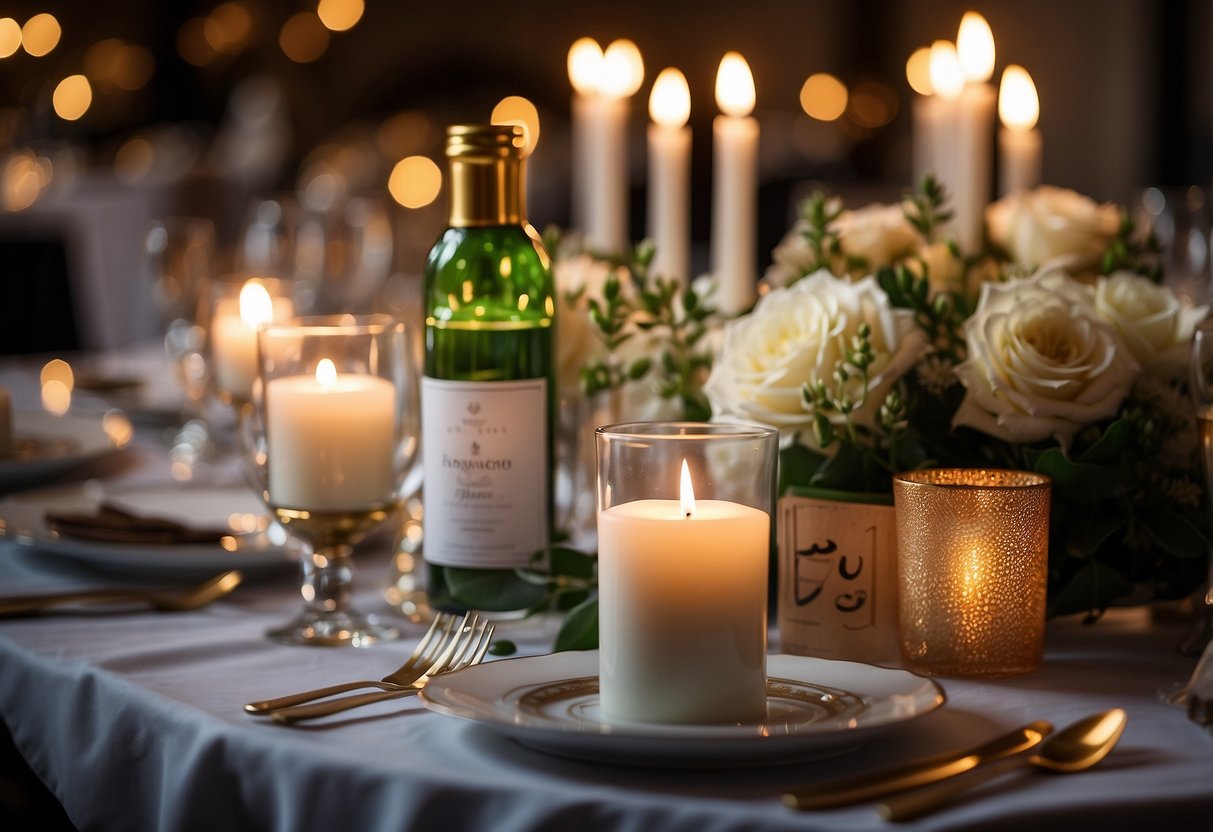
(488,393)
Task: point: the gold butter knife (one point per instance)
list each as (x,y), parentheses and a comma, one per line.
(848,790)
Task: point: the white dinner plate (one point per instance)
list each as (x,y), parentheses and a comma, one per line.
(47,445)
(815,707)
(22,520)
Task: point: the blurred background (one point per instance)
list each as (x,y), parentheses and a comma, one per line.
(112,115)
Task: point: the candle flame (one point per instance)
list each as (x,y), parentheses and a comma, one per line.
(670,99)
(947,79)
(256,307)
(686,492)
(622,70)
(1018,104)
(734,86)
(975,47)
(326,374)
(514,109)
(918,71)
(585,65)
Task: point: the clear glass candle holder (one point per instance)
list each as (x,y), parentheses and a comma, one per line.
(684,535)
(972,549)
(331,437)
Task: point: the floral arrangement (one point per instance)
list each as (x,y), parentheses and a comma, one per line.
(881,348)
(877,346)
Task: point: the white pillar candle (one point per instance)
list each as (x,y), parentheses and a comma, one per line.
(734,188)
(925,116)
(947,80)
(975,130)
(1019,143)
(670,175)
(682,610)
(330,440)
(233,336)
(605,133)
(585,66)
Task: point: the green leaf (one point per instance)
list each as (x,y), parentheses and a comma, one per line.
(1085,533)
(571,562)
(491,589)
(504,647)
(1109,447)
(1091,589)
(580,628)
(1175,534)
(797,464)
(840,496)
(1080,482)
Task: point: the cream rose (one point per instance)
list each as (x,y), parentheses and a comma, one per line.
(794,336)
(874,236)
(1041,363)
(1152,321)
(877,234)
(1052,226)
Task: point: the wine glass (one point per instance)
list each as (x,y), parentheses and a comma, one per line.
(179,255)
(1201,388)
(332,436)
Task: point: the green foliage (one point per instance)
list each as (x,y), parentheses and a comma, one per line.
(819,212)
(1129,252)
(925,207)
(660,308)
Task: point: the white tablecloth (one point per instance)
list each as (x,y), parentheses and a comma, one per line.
(134,721)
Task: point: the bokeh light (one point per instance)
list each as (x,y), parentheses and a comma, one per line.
(823,97)
(10,36)
(72,97)
(303,38)
(515,109)
(40,34)
(192,44)
(415,181)
(340,15)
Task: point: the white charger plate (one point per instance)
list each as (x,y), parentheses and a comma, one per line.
(22,520)
(48,446)
(815,708)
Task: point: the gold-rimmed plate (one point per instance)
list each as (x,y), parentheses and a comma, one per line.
(815,708)
(254,545)
(46,446)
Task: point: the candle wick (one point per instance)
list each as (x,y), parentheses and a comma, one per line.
(688,515)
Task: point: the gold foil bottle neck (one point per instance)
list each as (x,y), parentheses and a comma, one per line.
(486,174)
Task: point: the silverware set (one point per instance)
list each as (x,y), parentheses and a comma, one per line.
(451,643)
(917,788)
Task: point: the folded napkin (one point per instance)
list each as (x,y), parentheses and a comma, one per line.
(110,524)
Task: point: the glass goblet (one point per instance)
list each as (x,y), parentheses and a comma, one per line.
(333,434)
(1201,390)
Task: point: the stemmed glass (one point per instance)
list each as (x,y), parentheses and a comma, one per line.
(1201,387)
(333,435)
(180,255)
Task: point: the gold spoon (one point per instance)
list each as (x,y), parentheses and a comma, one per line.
(190,598)
(1076,748)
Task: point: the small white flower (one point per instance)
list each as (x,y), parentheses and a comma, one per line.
(795,336)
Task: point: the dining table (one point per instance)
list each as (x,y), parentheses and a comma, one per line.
(133,718)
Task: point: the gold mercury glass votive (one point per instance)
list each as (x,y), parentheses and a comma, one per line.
(972,547)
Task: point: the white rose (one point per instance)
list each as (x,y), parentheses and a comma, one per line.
(1152,321)
(791,258)
(1040,361)
(795,336)
(878,234)
(1052,226)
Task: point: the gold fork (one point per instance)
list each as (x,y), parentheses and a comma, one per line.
(443,632)
(465,651)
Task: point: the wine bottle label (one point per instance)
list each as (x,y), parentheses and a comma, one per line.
(485,457)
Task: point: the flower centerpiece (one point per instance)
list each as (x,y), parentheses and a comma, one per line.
(877,346)
(881,348)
